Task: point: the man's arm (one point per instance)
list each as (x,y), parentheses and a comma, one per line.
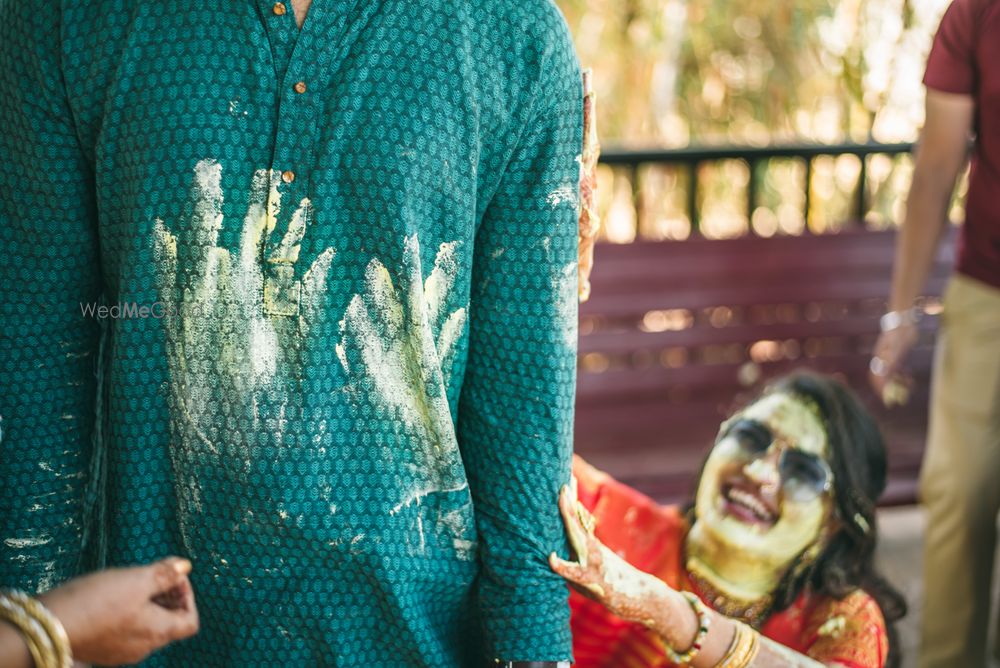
(49,265)
(515,417)
(940,156)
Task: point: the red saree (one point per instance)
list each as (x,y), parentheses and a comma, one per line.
(848,632)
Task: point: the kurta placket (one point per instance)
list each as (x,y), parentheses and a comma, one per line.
(302,70)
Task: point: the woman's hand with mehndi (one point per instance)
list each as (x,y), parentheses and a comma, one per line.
(602,575)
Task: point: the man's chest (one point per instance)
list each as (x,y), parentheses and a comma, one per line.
(356,92)
(368,126)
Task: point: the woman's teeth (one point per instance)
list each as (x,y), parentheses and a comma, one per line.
(751,503)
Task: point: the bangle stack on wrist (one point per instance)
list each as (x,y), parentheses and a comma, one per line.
(44,634)
(746,644)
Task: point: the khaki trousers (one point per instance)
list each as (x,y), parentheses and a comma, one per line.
(960,479)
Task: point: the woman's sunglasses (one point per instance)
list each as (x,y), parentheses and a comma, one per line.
(804,476)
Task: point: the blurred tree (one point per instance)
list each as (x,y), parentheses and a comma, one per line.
(678,72)
(673,72)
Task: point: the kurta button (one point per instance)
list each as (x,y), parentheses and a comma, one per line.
(279,8)
(300,87)
(288,176)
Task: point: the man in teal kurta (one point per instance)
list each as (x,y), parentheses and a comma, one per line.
(299,305)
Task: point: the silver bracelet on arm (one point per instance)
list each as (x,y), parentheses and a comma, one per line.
(896,319)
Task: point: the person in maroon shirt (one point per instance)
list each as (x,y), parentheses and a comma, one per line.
(959,481)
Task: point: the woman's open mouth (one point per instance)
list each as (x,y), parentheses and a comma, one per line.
(745,503)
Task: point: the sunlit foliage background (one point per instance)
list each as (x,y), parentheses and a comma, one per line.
(672,73)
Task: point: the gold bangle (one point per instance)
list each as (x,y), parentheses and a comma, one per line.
(47,640)
(31,631)
(744,648)
(53,628)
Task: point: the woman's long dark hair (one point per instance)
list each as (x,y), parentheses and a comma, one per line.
(859,464)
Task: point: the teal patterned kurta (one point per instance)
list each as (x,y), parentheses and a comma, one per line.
(337,370)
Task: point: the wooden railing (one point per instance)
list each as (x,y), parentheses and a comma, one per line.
(691,159)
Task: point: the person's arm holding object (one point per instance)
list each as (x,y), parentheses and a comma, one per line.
(115,616)
(683,627)
(941,154)
(940,157)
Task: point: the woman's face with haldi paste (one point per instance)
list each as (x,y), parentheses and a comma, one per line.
(765,488)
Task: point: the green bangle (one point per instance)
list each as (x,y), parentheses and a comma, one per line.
(704,620)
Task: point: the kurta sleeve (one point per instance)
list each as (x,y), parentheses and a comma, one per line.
(48,269)
(515,416)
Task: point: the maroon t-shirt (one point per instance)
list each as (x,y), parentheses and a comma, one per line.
(965,59)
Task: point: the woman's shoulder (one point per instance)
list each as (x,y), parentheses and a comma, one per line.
(849,630)
(600,492)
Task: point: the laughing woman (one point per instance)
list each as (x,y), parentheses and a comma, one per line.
(771,567)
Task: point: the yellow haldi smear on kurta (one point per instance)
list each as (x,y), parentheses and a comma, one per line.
(213,301)
(397,346)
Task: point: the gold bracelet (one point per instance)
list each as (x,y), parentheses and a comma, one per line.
(53,628)
(44,633)
(744,648)
(31,631)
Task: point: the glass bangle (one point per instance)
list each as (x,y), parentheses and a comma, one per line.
(704,620)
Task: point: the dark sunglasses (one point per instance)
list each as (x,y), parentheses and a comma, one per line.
(804,476)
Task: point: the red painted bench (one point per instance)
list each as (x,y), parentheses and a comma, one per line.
(677,334)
